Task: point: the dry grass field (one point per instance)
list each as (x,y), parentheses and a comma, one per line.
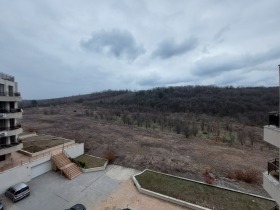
(169,152)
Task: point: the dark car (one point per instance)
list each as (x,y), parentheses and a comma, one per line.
(18,191)
(77,207)
(1,205)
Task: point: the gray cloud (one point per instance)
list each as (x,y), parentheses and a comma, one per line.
(215,65)
(119,43)
(169,48)
(41,44)
(219,36)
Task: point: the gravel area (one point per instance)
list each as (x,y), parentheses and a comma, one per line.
(127,195)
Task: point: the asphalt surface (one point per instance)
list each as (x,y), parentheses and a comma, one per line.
(51,191)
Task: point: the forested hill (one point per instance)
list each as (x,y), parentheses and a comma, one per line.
(253,103)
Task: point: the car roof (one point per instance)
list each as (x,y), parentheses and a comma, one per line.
(78,207)
(19,186)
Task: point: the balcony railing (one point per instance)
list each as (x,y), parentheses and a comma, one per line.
(10,111)
(15,127)
(274,208)
(273,168)
(5,146)
(10,128)
(7,77)
(17,94)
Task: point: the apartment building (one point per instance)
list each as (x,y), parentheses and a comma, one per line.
(272,136)
(9,115)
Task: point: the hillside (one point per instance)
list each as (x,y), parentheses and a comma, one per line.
(180,130)
(249,105)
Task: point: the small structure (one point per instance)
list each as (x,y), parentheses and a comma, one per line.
(272,136)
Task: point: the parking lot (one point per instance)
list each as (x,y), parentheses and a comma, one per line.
(51,191)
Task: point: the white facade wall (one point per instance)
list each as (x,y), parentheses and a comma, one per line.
(18,174)
(271,134)
(75,151)
(271,185)
(23,173)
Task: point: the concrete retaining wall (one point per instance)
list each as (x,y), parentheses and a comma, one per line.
(18,174)
(166,198)
(65,145)
(180,202)
(75,151)
(102,168)
(22,173)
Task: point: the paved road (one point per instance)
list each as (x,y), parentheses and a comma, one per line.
(52,191)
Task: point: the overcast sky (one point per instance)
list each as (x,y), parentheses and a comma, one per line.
(66,47)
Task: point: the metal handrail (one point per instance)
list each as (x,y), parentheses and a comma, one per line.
(274,208)
(10,94)
(10,128)
(10,111)
(273,166)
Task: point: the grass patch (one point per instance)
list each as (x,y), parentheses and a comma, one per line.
(90,161)
(33,149)
(40,143)
(200,194)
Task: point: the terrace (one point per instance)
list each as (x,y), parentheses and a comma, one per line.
(7,77)
(33,148)
(273,168)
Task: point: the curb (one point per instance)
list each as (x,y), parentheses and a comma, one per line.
(164,197)
(181,202)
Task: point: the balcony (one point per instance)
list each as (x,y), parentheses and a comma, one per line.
(271,179)
(6,149)
(10,96)
(10,114)
(10,111)
(273,168)
(7,77)
(10,131)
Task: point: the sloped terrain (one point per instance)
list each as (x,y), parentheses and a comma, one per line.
(162,150)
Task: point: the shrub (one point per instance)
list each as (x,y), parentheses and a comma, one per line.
(249,176)
(31,130)
(208,177)
(82,164)
(79,163)
(109,155)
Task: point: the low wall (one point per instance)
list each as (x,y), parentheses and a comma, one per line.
(166,198)
(180,202)
(22,173)
(75,151)
(24,136)
(101,168)
(18,174)
(65,145)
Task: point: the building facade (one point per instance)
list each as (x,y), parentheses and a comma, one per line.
(9,116)
(272,136)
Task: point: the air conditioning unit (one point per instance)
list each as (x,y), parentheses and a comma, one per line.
(3,115)
(3,134)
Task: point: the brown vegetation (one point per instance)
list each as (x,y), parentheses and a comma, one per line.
(182,144)
(251,176)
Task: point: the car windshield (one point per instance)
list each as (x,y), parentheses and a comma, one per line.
(11,190)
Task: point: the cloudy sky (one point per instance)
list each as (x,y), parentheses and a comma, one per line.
(66,47)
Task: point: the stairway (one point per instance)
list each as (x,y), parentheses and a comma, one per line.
(71,170)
